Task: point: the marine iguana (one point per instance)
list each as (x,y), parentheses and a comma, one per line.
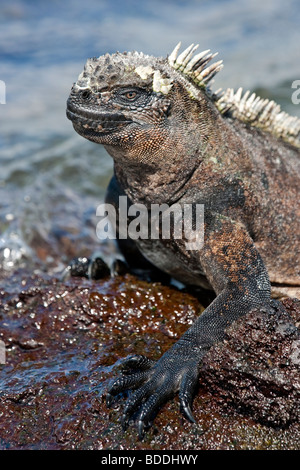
(173,140)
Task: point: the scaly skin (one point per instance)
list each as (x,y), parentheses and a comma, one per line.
(171,144)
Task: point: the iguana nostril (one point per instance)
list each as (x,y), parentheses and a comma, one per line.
(86,94)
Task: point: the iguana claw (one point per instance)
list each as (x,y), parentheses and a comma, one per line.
(152,384)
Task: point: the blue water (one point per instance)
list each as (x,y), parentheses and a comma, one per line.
(51,180)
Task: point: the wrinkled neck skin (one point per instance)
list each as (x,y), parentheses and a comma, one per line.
(162,178)
(161,164)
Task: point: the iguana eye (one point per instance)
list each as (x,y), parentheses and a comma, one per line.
(131,95)
(128,94)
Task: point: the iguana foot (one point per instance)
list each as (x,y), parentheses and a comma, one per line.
(94,268)
(153,384)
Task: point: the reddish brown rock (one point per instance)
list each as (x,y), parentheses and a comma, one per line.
(257,369)
(65,341)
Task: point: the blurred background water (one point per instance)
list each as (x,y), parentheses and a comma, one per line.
(52,180)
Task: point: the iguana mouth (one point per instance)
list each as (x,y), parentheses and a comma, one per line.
(90,122)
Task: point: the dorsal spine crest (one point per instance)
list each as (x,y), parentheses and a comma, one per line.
(195,67)
(249,108)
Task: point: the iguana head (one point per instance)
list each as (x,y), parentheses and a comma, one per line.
(135,104)
(141,107)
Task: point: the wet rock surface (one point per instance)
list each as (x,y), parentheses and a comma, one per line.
(257,369)
(65,341)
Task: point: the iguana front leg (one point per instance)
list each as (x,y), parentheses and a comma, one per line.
(239,277)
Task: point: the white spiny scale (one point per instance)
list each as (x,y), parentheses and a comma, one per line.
(195,59)
(189,57)
(203,63)
(229,95)
(218,93)
(295,125)
(268,111)
(244,99)
(257,99)
(250,103)
(210,72)
(238,95)
(185,56)
(173,56)
(260,105)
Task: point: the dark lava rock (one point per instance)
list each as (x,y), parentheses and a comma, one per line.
(257,368)
(64,341)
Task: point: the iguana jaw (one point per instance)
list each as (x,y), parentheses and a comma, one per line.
(93,125)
